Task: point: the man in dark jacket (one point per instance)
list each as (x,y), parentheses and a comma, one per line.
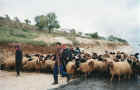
(66,55)
(18,58)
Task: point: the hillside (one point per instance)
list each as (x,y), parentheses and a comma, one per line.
(32,39)
(13,31)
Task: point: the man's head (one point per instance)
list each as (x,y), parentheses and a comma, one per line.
(77,47)
(64,46)
(17,47)
(58,44)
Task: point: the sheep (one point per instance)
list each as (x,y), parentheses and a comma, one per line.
(70,67)
(30,65)
(94,55)
(100,57)
(35,64)
(47,65)
(25,60)
(50,63)
(107,55)
(43,66)
(134,58)
(9,64)
(136,68)
(112,56)
(135,64)
(38,67)
(100,66)
(120,68)
(86,67)
(136,55)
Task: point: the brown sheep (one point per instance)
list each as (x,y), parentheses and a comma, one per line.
(9,64)
(100,66)
(86,67)
(120,68)
(30,65)
(70,67)
(24,61)
(48,64)
(106,55)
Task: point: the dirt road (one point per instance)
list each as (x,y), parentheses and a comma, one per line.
(27,81)
(40,81)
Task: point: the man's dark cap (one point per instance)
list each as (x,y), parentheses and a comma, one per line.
(58,43)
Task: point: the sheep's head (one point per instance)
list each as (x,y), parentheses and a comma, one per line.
(105,61)
(73,68)
(110,64)
(91,64)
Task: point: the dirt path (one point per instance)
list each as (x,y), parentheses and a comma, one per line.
(28,81)
(53,39)
(39,81)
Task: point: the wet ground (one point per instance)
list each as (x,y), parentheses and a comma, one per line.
(99,83)
(42,81)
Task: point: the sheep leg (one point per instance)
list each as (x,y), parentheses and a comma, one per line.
(129,76)
(112,76)
(73,76)
(86,74)
(125,77)
(119,77)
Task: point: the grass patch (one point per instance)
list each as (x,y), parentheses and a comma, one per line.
(18,33)
(74,41)
(12,35)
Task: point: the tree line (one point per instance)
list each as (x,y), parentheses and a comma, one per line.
(48,22)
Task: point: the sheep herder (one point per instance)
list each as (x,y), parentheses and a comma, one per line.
(18,58)
(58,67)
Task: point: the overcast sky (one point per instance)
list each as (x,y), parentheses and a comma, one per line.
(119,17)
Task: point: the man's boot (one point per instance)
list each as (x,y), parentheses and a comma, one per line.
(55,82)
(68,78)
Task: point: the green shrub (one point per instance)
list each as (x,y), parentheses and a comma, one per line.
(116,39)
(93,35)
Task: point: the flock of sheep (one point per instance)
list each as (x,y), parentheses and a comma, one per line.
(110,64)
(34,62)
